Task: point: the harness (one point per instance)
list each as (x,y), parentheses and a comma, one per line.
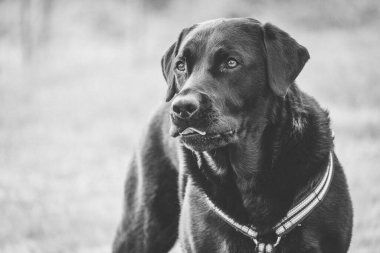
(292,219)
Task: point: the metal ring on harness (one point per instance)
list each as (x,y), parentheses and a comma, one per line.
(266,247)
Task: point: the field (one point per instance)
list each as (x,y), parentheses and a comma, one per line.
(72,109)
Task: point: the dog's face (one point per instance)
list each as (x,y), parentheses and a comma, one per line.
(220,75)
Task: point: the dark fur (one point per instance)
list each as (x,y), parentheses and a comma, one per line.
(279,153)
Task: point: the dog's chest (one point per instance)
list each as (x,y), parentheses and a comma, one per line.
(200,230)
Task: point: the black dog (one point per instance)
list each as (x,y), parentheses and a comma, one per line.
(248,147)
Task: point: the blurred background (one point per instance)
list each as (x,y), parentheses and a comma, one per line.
(79,79)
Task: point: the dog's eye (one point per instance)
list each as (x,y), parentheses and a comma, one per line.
(232,63)
(181,66)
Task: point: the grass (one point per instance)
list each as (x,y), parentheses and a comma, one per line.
(70,119)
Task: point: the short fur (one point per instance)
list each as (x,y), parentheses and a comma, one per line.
(277,154)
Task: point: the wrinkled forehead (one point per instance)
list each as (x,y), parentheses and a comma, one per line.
(236,34)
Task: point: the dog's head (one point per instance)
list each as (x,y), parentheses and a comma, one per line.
(220,75)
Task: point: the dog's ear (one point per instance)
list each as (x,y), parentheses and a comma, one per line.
(167,71)
(285,58)
(167,64)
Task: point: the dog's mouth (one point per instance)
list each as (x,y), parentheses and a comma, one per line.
(202,140)
(194,132)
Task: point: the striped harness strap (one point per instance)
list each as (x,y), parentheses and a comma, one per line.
(293,217)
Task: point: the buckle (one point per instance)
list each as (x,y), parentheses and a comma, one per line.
(266,247)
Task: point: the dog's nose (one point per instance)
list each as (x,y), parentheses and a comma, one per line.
(185,107)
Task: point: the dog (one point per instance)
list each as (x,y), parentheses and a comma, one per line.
(236,149)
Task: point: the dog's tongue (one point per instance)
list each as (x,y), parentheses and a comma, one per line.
(175,131)
(190,130)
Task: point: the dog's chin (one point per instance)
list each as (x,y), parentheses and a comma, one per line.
(207,142)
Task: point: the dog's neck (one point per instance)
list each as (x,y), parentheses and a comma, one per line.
(259,178)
